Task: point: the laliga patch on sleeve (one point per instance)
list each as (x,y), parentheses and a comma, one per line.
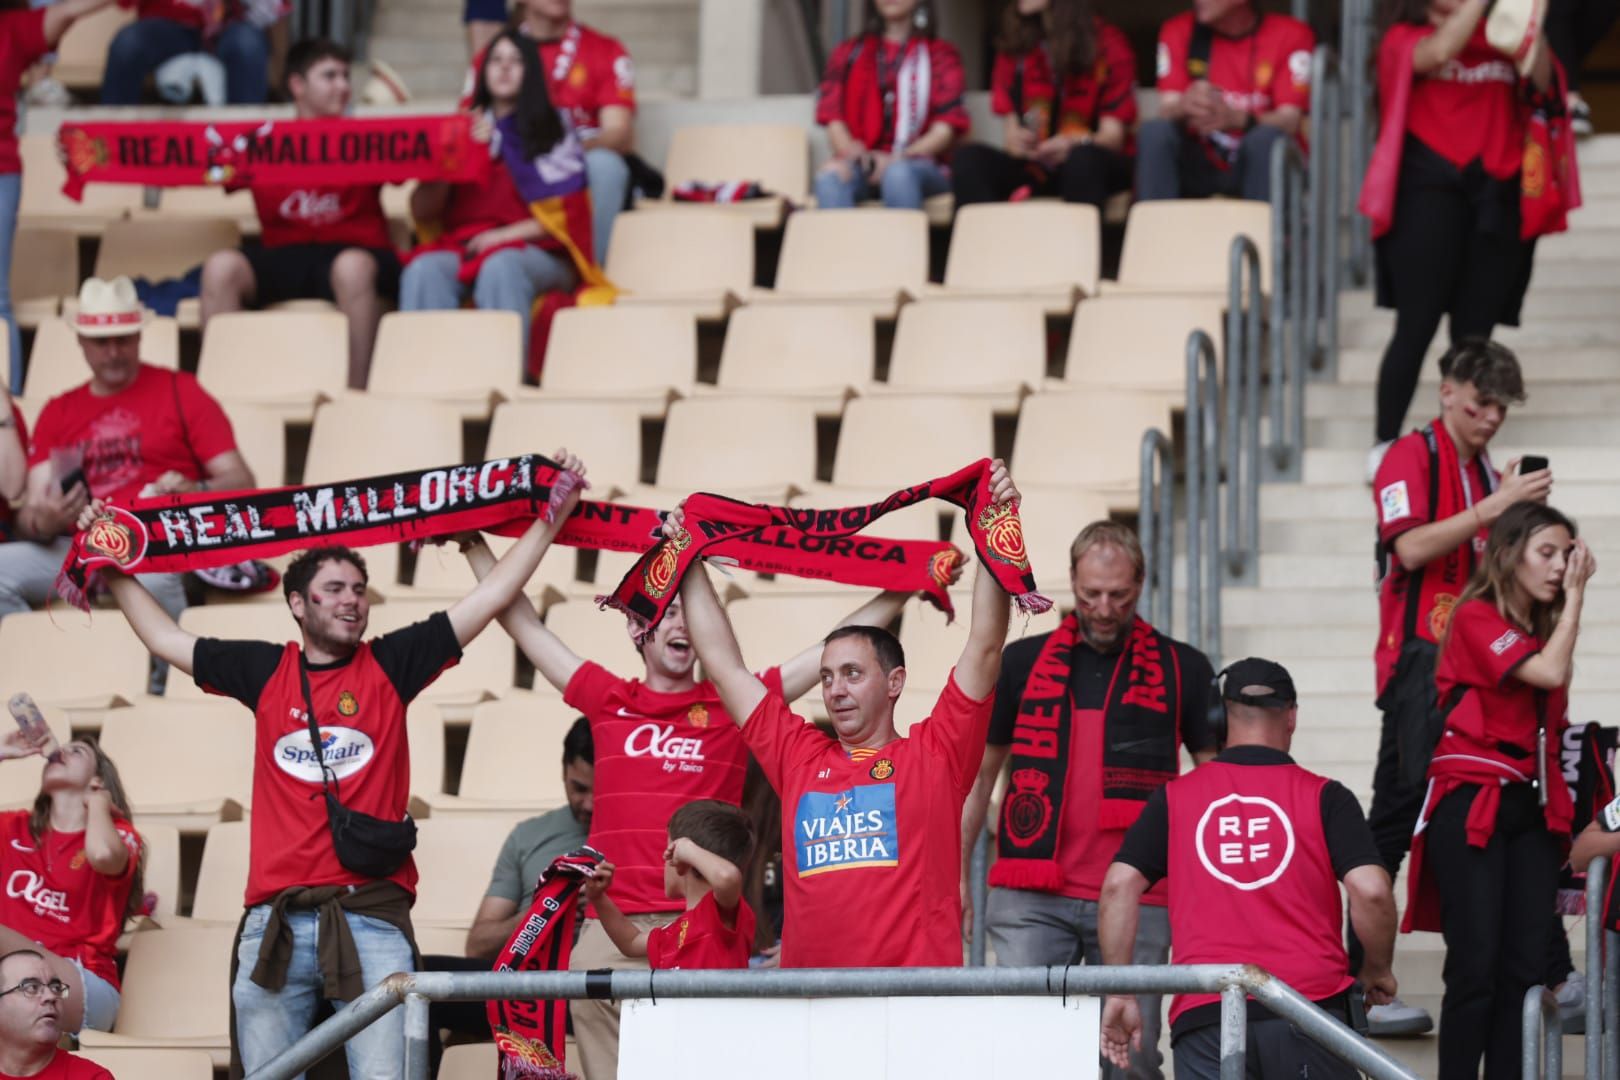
(624,73)
(1505,642)
(1162,62)
(1299,67)
(1394,502)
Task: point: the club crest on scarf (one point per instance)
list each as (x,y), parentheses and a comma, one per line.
(116,540)
(1004,535)
(943,565)
(661,569)
(1028,807)
(526,1059)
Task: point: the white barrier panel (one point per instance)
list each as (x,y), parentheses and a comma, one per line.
(992,1038)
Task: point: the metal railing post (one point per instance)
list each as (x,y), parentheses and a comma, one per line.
(1331,226)
(1157,525)
(1234,1033)
(1596,875)
(981,897)
(1203,497)
(1610,1013)
(1287,281)
(416,1037)
(1323,191)
(1244,327)
(1540,1027)
(1358,37)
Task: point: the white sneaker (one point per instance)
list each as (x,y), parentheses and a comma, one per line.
(48,93)
(1398,1018)
(1375,458)
(1572,1004)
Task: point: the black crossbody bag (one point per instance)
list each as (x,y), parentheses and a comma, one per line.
(369,846)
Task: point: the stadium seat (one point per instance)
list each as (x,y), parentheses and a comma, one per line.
(222,875)
(489,783)
(158,248)
(611,566)
(56,363)
(592,634)
(466,359)
(155,1064)
(172,993)
(1132,342)
(643,354)
(487,667)
(424,726)
(454,856)
(994,350)
(768,446)
(43,174)
(605,434)
(469,1061)
(774,628)
(1089,441)
(443,574)
(19,782)
(216,740)
(360,436)
(81,55)
(262,440)
(308,351)
(932,647)
(714,267)
(776,156)
(82,662)
(211,201)
(160,874)
(44,268)
(1052,518)
(1042,251)
(872,257)
(821,352)
(1184,245)
(896,440)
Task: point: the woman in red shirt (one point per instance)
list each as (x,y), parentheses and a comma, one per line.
(1448,243)
(1496,820)
(489,242)
(1064,83)
(891,102)
(72,873)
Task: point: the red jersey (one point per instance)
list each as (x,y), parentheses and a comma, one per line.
(184,12)
(162,420)
(55,897)
(586,71)
(700,938)
(352,216)
(890,92)
(871,839)
(1476,669)
(360,712)
(1406,489)
(654,754)
(1252,878)
(19,424)
(1023,85)
(22,41)
(66,1066)
(1468,108)
(1258,72)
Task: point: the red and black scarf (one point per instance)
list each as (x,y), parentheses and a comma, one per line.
(346,150)
(887,109)
(714,522)
(1140,749)
(531,1036)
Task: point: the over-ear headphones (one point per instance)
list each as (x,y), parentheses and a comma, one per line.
(1265,684)
(1217,706)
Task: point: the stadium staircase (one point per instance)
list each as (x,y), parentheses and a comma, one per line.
(1315,608)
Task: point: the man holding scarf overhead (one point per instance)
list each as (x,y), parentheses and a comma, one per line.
(1093,716)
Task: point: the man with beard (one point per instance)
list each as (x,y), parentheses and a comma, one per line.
(1093,716)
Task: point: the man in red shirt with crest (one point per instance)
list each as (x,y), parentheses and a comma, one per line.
(1232,81)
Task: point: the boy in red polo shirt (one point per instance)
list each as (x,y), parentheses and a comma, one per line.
(709,844)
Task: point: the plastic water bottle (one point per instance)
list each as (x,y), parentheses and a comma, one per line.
(32,723)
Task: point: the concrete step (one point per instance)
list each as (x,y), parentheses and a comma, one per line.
(1580,463)
(1580,300)
(1353,607)
(1548,397)
(1353,431)
(1574,332)
(1333,537)
(1359,366)
(1352,501)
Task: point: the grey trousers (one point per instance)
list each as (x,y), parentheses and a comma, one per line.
(1037,929)
(1275,1050)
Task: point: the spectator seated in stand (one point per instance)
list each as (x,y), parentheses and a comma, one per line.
(1064,84)
(489,242)
(1232,81)
(73,867)
(234,32)
(891,101)
(31,999)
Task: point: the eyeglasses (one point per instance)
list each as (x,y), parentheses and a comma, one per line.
(32,988)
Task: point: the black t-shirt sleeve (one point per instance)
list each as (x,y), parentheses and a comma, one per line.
(237,669)
(413,656)
(1197,697)
(1349,839)
(1147,843)
(1017,661)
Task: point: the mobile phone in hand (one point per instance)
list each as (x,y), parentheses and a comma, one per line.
(72,479)
(1532,463)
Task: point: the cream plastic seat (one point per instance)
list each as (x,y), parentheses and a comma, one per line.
(777,156)
(895,440)
(489,784)
(49,653)
(160,874)
(210,202)
(223,874)
(767,447)
(155,1064)
(821,352)
(877,258)
(360,436)
(466,359)
(646,354)
(157,248)
(1184,245)
(44,268)
(443,575)
(43,174)
(56,363)
(308,352)
(1138,342)
(488,662)
(216,781)
(454,856)
(593,634)
(470,1061)
(172,993)
(262,440)
(81,55)
(714,267)
(1087,441)
(773,628)
(424,726)
(994,350)
(605,434)
(933,646)
(1052,517)
(19,780)
(1046,252)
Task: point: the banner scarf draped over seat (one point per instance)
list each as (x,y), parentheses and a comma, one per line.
(235,154)
(530,1036)
(1139,736)
(713,521)
(211,528)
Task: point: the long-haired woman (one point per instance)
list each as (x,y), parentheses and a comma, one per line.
(1497,816)
(891,101)
(72,871)
(1064,84)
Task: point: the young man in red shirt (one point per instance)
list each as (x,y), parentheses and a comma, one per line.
(320,242)
(1255,849)
(871,820)
(1232,81)
(133,429)
(236,32)
(30,1004)
(353,693)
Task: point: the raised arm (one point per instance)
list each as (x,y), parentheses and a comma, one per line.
(804,670)
(1449,38)
(155,627)
(1554,665)
(1420,546)
(626,938)
(980,662)
(716,645)
(64,13)
(555,661)
(723,875)
(104,849)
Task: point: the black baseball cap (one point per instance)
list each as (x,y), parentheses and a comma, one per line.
(1264,684)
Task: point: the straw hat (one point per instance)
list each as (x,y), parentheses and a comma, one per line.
(108,308)
(1513,28)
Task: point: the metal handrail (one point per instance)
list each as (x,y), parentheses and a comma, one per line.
(1157,526)
(1596,877)
(1543,1037)
(1232,982)
(1203,497)
(1244,330)
(1355,46)
(1325,192)
(1287,322)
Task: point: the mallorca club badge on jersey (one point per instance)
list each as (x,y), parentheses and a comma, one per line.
(844,830)
(1245,841)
